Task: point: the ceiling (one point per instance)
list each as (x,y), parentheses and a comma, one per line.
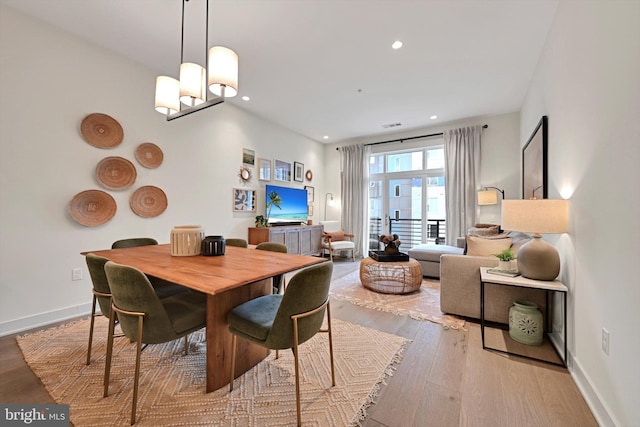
(326,67)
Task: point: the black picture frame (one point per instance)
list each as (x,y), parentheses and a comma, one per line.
(298,171)
(535,163)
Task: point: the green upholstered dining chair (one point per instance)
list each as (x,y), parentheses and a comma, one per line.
(147,319)
(101,293)
(133,242)
(278,322)
(163,288)
(278,281)
(241,243)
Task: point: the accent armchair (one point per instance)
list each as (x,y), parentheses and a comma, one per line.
(334,239)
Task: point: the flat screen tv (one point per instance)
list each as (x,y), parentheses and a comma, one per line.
(293,207)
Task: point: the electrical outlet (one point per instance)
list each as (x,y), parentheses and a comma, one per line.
(76,274)
(605,341)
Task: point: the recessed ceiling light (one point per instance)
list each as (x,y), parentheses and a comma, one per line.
(245,98)
(433,117)
(325,137)
(397,44)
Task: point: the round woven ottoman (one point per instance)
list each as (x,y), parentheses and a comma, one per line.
(400,277)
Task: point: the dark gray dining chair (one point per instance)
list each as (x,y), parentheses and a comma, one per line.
(147,319)
(278,281)
(279,322)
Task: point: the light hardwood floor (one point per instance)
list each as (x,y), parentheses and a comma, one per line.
(445,379)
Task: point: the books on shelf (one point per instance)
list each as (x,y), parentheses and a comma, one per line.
(508,273)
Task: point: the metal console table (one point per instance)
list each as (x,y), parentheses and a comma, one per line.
(522,282)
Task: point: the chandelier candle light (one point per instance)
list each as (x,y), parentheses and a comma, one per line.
(220,77)
(537,259)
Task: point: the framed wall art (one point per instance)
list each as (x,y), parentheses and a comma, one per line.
(310,193)
(248,157)
(264,169)
(244,200)
(282,171)
(310,210)
(298,171)
(534,163)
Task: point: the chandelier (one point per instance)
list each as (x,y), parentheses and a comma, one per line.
(177,98)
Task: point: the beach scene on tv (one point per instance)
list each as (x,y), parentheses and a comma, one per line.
(293,208)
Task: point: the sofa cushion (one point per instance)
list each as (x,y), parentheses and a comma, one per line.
(430,252)
(479,246)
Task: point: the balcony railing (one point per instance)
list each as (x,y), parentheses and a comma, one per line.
(409,230)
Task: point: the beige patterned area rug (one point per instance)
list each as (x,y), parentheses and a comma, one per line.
(423,304)
(172,386)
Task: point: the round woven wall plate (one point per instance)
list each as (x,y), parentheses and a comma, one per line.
(148,201)
(116,173)
(149,155)
(92,208)
(101,130)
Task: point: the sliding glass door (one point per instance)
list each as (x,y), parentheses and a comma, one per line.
(406,193)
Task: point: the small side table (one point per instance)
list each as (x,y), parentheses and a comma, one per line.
(522,282)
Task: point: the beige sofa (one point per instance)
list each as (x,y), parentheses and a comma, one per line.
(460,289)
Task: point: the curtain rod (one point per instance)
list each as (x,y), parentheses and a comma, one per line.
(401,140)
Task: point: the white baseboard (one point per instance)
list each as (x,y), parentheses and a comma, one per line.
(43,319)
(598,409)
(590,395)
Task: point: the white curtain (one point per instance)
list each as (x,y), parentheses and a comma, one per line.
(462,170)
(354,186)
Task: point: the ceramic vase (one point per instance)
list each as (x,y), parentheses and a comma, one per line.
(526,324)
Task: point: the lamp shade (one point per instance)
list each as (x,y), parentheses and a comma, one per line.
(537,259)
(487,197)
(193,88)
(535,215)
(167,95)
(223,71)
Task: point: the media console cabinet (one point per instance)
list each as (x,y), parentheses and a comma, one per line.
(299,239)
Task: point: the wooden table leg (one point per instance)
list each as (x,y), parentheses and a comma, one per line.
(219,338)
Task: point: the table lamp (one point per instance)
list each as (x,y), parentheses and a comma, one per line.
(536,258)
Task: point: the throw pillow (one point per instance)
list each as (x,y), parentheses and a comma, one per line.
(479,246)
(518,239)
(336,236)
(484,230)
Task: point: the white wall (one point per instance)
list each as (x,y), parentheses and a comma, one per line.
(588,83)
(49,81)
(499,164)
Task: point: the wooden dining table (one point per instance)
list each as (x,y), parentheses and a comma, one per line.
(239,275)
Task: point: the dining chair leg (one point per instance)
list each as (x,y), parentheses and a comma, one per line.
(333,374)
(93,318)
(136,379)
(107,366)
(295,357)
(277,354)
(233,361)
(186,345)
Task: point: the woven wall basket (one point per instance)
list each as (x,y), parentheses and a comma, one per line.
(149,155)
(116,173)
(148,201)
(101,130)
(92,208)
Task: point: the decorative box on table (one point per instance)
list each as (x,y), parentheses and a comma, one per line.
(380,256)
